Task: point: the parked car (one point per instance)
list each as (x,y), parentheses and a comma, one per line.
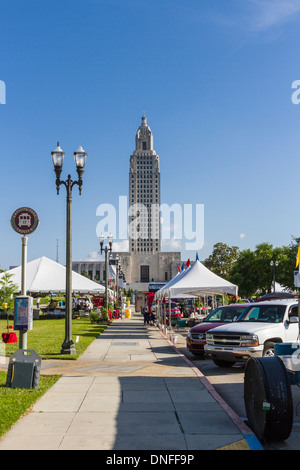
(175,313)
(196,338)
(255,332)
(277,296)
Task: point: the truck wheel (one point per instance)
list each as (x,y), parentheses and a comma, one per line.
(268,398)
(268,349)
(220,363)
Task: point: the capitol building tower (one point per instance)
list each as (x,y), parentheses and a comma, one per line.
(144,194)
(144,262)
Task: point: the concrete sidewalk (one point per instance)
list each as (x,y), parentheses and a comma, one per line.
(130,390)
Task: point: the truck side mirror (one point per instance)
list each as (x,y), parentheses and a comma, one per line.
(293,319)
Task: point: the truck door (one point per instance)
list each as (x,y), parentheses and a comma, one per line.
(292,329)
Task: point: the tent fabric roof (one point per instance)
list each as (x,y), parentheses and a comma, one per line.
(45,275)
(197,280)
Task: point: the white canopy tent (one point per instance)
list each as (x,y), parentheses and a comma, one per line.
(196,280)
(279,288)
(44,275)
(199,281)
(161,292)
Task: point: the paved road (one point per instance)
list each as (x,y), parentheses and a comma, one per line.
(229,383)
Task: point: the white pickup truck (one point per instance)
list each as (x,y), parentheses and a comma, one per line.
(255,332)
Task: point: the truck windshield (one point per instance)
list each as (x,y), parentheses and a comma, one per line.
(264,313)
(224,314)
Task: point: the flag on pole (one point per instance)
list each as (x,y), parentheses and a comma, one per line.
(188,263)
(298,255)
(197,257)
(179,269)
(182,267)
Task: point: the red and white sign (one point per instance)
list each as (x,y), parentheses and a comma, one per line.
(24,220)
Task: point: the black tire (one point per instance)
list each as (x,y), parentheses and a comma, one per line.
(220,363)
(268,398)
(268,350)
(197,354)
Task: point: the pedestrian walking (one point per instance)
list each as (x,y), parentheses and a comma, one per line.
(145,313)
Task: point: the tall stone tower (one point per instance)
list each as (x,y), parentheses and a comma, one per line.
(144,262)
(144,194)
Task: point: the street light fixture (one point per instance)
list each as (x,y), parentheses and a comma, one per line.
(117,259)
(106,250)
(58,156)
(274,267)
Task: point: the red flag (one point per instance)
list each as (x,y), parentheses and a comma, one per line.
(188,263)
(179,268)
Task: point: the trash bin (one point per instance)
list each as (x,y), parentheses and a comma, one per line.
(127,313)
(24,369)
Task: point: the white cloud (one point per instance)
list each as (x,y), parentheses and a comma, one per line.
(93,256)
(121,246)
(251,15)
(117,247)
(269,13)
(242,235)
(171,245)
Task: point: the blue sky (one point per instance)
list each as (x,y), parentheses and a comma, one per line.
(215,81)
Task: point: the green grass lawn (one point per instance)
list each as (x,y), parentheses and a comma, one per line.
(14,402)
(47,337)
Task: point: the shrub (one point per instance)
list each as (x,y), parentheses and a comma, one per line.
(104,314)
(94,317)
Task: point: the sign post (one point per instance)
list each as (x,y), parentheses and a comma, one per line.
(24,221)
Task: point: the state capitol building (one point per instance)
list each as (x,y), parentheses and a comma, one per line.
(144,263)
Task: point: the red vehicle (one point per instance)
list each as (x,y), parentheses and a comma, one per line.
(150,298)
(195,339)
(175,313)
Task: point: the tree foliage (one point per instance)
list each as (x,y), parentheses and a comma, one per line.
(251,270)
(222,259)
(7,290)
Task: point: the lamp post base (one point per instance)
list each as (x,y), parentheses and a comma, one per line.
(68,348)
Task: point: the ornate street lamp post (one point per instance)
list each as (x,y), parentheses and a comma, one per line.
(106,250)
(274,267)
(117,259)
(58,155)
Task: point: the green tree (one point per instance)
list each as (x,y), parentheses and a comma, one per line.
(222,259)
(253,272)
(264,254)
(243,273)
(287,264)
(7,290)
